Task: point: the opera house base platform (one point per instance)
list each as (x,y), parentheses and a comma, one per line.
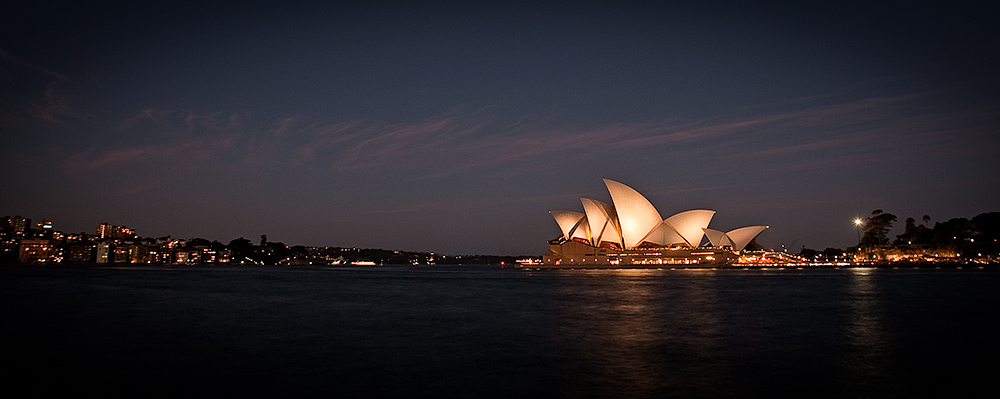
(575,254)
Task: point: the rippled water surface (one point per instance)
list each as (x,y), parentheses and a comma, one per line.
(478,331)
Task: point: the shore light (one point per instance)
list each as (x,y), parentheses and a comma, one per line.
(858,222)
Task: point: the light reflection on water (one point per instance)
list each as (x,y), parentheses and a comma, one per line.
(637,337)
(864,327)
(614,333)
(486,331)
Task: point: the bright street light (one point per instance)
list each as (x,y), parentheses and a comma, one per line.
(858,222)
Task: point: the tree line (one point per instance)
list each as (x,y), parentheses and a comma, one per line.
(971,238)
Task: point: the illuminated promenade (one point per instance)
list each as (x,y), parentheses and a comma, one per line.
(766,260)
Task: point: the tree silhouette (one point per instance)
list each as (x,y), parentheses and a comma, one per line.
(877,228)
(241,250)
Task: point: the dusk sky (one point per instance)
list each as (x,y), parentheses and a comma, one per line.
(456,127)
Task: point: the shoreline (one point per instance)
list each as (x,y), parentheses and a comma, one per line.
(797,266)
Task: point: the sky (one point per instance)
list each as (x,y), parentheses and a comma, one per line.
(454,127)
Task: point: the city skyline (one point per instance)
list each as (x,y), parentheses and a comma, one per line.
(456,128)
(957,241)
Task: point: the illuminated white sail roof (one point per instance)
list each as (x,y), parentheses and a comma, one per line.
(631,220)
(664,235)
(737,238)
(572,224)
(602,220)
(636,216)
(743,235)
(717,238)
(690,224)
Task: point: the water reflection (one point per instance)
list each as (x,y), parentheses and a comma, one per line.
(695,333)
(642,332)
(864,328)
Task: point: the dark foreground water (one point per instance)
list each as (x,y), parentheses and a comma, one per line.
(487,331)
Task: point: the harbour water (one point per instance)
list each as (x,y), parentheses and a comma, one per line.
(489,331)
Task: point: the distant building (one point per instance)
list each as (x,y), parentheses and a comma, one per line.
(209,255)
(105,230)
(103,253)
(108,231)
(123,253)
(9,246)
(630,231)
(185,257)
(39,251)
(79,252)
(17,224)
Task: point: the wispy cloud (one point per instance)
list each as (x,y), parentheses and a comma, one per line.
(184,152)
(15,65)
(38,93)
(146,116)
(54,107)
(399,143)
(811,146)
(483,142)
(460,141)
(461,204)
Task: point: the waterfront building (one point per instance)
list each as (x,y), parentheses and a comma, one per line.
(103,252)
(630,231)
(126,253)
(155,254)
(79,252)
(182,257)
(39,251)
(10,245)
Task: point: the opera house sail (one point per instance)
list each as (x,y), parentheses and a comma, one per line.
(629,232)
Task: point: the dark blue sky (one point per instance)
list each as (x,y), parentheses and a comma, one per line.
(455,127)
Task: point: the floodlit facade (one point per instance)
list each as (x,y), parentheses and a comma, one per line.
(630,231)
(603,222)
(572,224)
(737,238)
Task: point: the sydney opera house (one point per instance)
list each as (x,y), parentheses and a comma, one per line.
(630,232)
